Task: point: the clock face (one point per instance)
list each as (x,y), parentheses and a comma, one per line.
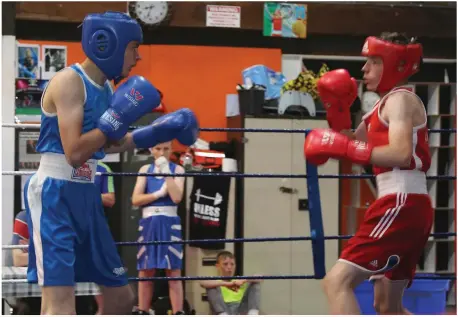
(151,12)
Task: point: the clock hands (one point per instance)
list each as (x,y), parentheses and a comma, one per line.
(151,13)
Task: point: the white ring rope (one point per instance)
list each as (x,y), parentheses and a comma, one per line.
(21,125)
(19,173)
(15,246)
(29,173)
(15,281)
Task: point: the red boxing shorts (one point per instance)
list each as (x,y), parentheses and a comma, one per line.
(392,236)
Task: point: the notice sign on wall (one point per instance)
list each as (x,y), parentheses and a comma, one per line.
(223,16)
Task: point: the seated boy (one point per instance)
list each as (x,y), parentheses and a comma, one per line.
(232,297)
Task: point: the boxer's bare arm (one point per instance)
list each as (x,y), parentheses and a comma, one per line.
(359,134)
(108,199)
(139,198)
(215,283)
(175,185)
(67,95)
(399,111)
(125,144)
(20,258)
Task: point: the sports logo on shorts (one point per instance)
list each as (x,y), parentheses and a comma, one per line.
(82,173)
(119,271)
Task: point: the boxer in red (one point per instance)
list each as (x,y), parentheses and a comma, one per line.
(393,137)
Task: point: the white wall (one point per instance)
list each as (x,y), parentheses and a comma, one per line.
(8,98)
(291,66)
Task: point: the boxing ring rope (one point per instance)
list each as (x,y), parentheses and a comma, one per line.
(240,277)
(235,240)
(317,237)
(237,175)
(37,125)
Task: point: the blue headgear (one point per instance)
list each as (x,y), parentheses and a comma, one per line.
(105,39)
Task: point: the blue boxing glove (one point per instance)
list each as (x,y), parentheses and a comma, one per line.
(181,125)
(132,100)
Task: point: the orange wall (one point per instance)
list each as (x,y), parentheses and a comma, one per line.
(198,77)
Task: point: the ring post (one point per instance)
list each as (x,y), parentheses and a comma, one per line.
(316,220)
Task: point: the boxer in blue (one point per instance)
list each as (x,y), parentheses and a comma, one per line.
(159,197)
(82,119)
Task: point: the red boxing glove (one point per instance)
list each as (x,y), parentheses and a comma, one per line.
(323,144)
(337,91)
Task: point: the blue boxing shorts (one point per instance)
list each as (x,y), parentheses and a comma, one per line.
(160,223)
(70,240)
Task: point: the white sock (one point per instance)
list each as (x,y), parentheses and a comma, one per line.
(253,312)
(223,313)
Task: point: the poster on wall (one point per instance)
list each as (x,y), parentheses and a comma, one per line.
(29,159)
(223,16)
(28,98)
(28,58)
(285,20)
(54,59)
(208,210)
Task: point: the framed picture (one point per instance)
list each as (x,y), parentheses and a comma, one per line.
(28,58)
(54,59)
(28,96)
(27,157)
(285,20)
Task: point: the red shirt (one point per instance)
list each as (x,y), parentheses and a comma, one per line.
(377,135)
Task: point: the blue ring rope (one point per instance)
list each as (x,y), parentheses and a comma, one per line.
(267,277)
(281,130)
(200,278)
(259,175)
(290,130)
(261,239)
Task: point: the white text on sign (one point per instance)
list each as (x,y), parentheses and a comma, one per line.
(223,16)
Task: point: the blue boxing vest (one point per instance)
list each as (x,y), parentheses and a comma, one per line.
(154,184)
(98,99)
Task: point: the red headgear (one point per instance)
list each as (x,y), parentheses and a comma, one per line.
(399,61)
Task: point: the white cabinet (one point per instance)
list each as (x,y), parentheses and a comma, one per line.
(440,101)
(268,212)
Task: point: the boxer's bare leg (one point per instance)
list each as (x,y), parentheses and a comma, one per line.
(339,284)
(117,300)
(58,300)
(145,290)
(176,291)
(99,301)
(388,296)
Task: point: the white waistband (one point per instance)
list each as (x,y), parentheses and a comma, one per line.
(169,211)
(56,166)
(401,181)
